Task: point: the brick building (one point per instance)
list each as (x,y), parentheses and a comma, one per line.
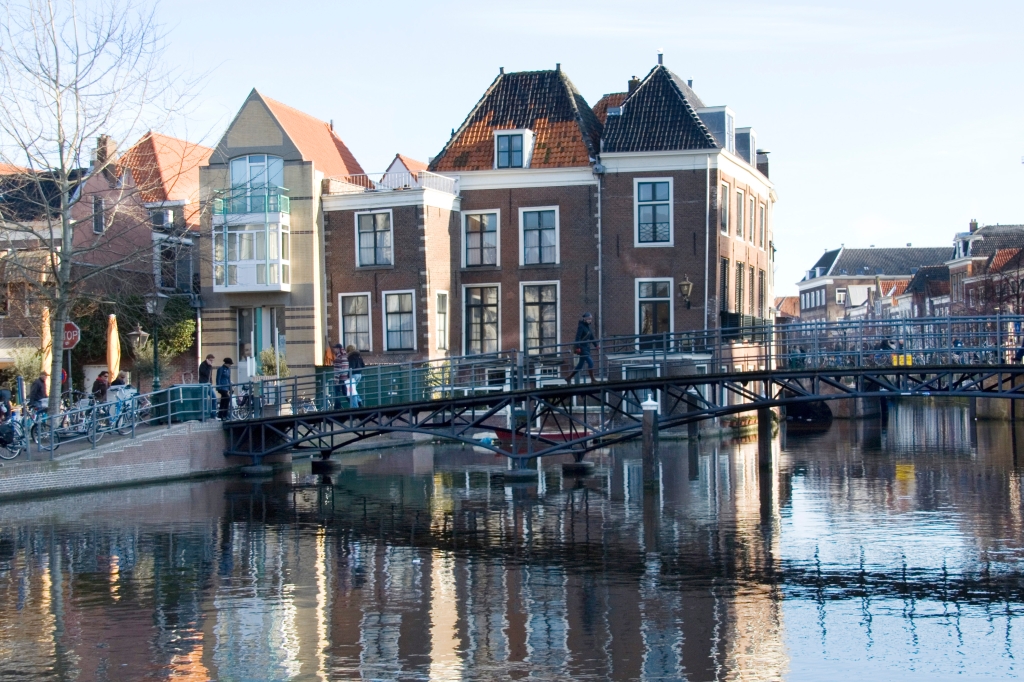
(538,209)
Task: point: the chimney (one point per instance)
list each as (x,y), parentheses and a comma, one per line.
(501,70)
(106,151)
(558,68)
(661,57)
(634,83)
(689,83)
(332,125)
(974,225)
(762,161)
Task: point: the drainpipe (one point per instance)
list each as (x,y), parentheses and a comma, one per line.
(707,238)
(599,172)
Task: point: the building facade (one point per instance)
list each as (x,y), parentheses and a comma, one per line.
(538,210)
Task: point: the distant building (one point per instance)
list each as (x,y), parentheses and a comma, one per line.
(981,271)
(861,283)
(787,309)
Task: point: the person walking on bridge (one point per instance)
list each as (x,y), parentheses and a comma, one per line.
(584,342)
(224,388)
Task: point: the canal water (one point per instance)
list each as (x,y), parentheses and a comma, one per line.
(871,551)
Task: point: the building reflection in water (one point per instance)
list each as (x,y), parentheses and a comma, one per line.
(869,548)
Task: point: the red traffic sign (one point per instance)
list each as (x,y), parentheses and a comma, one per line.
(72,335)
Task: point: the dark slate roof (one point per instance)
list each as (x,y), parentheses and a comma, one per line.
(30,196)
(566,132)
(888,261)
(658,116)
(920,282)
(985,241)
(827,259)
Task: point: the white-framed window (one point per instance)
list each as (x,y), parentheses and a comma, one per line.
(740,217)
(538,235)
(481,318)
(752,233)
(481,232)
(355,328)
(723,285)
(374,238)
(761,226)
(654,310)
(441,319)
(652,212)
(399,320)
(99,215)
(247,255)
(840,296)
(256,183)
(540,316)
(513,148)
(723,208)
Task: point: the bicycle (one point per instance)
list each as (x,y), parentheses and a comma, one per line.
(245,405)
(13,440)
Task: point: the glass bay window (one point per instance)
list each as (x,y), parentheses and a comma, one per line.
(251,255)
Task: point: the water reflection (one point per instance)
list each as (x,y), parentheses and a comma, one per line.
(872,550)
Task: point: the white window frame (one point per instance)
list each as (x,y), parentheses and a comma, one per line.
(763,218)
(741,220)
(465,217)
(725,189)
(465,319)
(341,317)
(558,235)
(671,214)
(840,296)
(384,318)
(391,222)
(752,205)
(448,320)
(522,313)
(671,301)
(527,147)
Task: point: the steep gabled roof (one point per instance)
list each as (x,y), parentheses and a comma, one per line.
(165,168)
(1004,259)
(614,99)
(826,260)
(411,164)
(887,261)
(660,115)
(925,278)
(315,140)
(788,305)
(893,287)
(566,132)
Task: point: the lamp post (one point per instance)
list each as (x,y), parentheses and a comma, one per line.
(155,304)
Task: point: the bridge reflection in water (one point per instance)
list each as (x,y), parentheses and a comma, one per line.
(879,550)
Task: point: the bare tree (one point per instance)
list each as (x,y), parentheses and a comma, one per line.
(73,73)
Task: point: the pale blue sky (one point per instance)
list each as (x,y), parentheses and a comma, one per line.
(888,122)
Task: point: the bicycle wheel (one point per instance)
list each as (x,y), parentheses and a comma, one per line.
(125,421)
(17,444)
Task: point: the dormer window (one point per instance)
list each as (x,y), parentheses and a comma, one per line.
(512,148)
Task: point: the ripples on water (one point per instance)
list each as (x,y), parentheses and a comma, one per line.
(870,553)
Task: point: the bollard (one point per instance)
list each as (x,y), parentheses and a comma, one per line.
(764,438)
(693,428)
(650,443)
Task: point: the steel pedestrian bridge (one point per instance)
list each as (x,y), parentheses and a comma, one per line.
(520,405)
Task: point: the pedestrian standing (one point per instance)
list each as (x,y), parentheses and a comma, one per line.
(224,388)
(206,377)
(355,367)
(38,392)
(340,375)
(585,341)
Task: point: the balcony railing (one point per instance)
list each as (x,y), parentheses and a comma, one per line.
(252,200)
(391,182)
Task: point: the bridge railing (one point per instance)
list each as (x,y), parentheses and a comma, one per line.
(861,343)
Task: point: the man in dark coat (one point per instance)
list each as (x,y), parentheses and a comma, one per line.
(584,342)
(206,377)
(224,387)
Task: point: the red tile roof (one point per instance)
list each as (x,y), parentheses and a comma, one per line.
(566,132)
(412,165)
(893,287)
(315,140)
(614,99)
(1002,258)
(11,169)
(788,305)
(165,168)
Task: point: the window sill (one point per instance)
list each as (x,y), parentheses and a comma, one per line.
(539,266)
(653,245)
(375,267)
(480,268)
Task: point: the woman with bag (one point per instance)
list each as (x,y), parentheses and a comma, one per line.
(355,366)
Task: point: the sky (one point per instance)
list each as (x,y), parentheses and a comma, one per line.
(889,122)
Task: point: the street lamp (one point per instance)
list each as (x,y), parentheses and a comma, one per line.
(138,339)
(155,304)
(685,289)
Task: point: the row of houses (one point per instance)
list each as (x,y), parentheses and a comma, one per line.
(981,273)
(651,210)
(537,209)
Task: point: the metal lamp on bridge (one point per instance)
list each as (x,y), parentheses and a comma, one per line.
(155,304)
(685,289)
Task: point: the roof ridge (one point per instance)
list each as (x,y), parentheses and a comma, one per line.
(573,93)
(686,102)
(472,112)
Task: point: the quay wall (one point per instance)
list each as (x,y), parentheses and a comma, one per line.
(182,451)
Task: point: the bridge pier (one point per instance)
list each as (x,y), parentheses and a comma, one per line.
(764,438)
(650,443)
(521,470)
